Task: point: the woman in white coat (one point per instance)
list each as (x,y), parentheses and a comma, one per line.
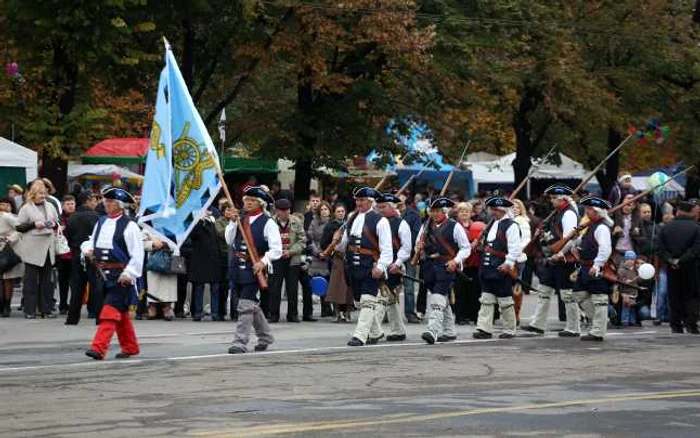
(8,236)
(162,288)
(37,220)
(520,217)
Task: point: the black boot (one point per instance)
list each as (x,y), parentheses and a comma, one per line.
(6,307)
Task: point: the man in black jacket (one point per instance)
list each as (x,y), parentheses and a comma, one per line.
(679,248)
(79,227)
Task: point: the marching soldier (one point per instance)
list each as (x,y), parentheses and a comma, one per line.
(391,289)
(445,246)
(502,248)
(263,235)
(555,272)
(591,290)
(116,248)
(368,254)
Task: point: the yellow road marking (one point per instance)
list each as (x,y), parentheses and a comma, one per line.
(288,428)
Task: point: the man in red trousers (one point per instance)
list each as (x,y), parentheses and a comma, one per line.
(116,249)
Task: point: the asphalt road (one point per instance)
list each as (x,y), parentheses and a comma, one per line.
(638,383)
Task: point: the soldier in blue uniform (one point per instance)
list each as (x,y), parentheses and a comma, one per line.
(502,248)
(264,235)
(554,272)
(591,290)
(445,246)
(116,249)
(368,255)
(390,290)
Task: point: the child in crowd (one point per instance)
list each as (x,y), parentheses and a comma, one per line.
(627,274)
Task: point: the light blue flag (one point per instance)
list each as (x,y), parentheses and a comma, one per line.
(156,200)
(194,181)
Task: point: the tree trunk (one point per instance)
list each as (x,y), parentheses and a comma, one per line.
(55,169)
(302,180)
(523,138)
(612,167)
(188,54)
(303,166)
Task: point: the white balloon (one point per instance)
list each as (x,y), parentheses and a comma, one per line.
(646,271)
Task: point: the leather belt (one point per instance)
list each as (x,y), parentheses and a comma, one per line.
(111,265)
(440,258)
(585,262)
(364,251)
(242,255)
(497,253)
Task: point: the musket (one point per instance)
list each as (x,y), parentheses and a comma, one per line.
(339,232)
(538,231)
(414,176)
(416,256)
(559,245)
(531,172)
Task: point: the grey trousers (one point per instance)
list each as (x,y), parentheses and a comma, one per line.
(441,320)
(251,316)
(389,305)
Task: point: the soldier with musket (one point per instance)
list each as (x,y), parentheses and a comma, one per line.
(390,290)
(502,248)
(255,234)
(444,246)
(368,255)
(592,290)
(554,271)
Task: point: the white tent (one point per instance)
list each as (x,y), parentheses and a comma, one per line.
(500,170)
(14,155)
(105,170)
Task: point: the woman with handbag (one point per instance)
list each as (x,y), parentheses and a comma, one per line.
(11,266)
(162,286)
(37,220)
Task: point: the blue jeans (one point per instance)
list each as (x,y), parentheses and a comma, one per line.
(198,299)
(629,315)
(643,313)
(409,297)
(661,291)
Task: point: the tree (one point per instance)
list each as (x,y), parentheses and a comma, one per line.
(61,46)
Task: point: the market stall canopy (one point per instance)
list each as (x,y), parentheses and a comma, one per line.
(501,170)
(21,160)
(101,171)
(249,165)
(118,151)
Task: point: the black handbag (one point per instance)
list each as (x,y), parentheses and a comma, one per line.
(177,265)
(8,258)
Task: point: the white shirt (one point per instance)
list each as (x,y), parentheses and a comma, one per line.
(513,237)
(132,237)
(386,253)
(272,236)
(459,236)
(602,236)
(525,235)
(405,238)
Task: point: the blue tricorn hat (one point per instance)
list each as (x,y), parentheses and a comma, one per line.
(442,203)
(592,201)
(366,192)
(260,193)
(118,194)
(499,201)
(558,189)
(388,197)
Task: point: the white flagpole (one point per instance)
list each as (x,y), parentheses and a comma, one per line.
(222,135)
